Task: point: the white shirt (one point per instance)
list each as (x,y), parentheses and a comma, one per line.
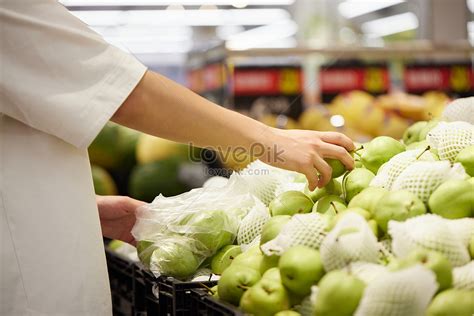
(59,84)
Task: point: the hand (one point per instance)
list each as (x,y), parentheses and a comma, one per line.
(117,216)
(304,151)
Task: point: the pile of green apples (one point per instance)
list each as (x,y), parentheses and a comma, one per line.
(276,285)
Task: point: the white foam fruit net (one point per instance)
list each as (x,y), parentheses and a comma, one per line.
(449,138)
(463,277)
(301,229)
(252,224)
(430,232)
(464,228)
(385,250)
(350,240)
(390,170)
(460,110)
(400,293)
(423,177)
(263,180)
(366,271)
(306,307)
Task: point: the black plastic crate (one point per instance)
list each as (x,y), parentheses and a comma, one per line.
(121,278)
(151,294)
(203,304)
(139,290)
(175,296)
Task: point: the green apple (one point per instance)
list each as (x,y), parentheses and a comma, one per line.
(356,181)
(300,267)
(368,198)
(339,294)
(466,158)
(266,298)
(398,206)
(418,145)
(176,260)
(333,221)
(214,292)
(471,180)
(374,227)
(379,150)
(288,313)
(290,203)
(249,259)
(330,204)
(427,128)
(272,228)
(338,168)
(453,199)
(145,249)
(412,134)
(272,274)
(268,262)
(452,302)
(209,228)
(333,187)
(234,281)
(224,257)
(432,260)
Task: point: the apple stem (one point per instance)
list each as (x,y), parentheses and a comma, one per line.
(243,287)
(207,287)
(421,154)
(334,205)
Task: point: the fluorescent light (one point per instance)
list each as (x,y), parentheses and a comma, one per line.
(264,36)
(391,25)
(173,2)
(182,17)
(161,33)
(337,120)
(145,47)
(353,8)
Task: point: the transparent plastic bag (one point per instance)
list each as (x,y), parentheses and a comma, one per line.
(301,229)
(390,170)
(449,138)
(430,232)
(460,110)
(263,180)
(400,293)
(349,241)
(191,226)
(463,277)
(252,224)
(423,177)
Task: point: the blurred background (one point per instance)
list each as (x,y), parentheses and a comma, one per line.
(362,67)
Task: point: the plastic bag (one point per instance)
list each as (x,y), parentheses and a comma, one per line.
(463,277)
(176,234)
(401,293)
(423,177)
(302,229)
(430,232)
(349,241)
(306,307)
(460,110)
(390,170)
(450,138)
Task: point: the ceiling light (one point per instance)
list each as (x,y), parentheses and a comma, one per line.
(391,24)
(353,8)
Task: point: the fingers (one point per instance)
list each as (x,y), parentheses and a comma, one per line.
(339,153)
(338,139)
(312,176)
(325,171)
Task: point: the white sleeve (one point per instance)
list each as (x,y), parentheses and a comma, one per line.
(58,76)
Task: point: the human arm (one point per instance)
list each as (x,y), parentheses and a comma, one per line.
(161,107)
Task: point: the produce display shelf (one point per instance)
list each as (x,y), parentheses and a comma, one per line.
(175,296)
(121,277)
(204,304)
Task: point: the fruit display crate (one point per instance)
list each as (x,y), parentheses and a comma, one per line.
(204,304)
(122,279)
(175,296)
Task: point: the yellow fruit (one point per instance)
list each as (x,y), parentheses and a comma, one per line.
(279,121)
(151,148)
(315,119)
(394,126)
(435,102)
